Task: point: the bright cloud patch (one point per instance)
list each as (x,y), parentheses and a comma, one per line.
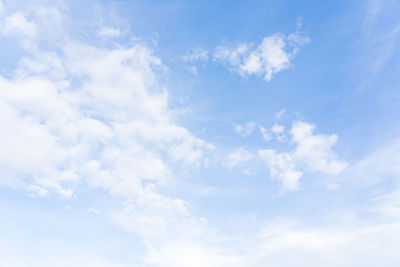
(267,59)
(314,151)
(311,153)
(98,166)
(110,32)
(111,129)
(17,25)
(89,115)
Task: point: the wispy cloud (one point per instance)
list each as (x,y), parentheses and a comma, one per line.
(197,54)
(244,130)
(110,32)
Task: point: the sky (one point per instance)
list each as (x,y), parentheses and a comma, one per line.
(199,133)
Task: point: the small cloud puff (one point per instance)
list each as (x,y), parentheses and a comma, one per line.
(245,129)
(267,59)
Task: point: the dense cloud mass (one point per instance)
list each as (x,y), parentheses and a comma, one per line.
(87,123)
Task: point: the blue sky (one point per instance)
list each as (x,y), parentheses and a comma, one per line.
(209,133)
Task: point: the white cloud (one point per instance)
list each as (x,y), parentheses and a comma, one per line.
(281,167)
(69,119)
(296,40)
(361,246)
(282,244)
(109,32)
(17,25)
(233,56)
(244,130)
(239,156)
(197,54)
(388,204)
(278,129)
(267,137)
(312,153)
(279,132)
(382,164)
(269,58)
(182,254)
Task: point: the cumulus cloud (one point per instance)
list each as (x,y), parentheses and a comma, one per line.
(271,56)
(281,167)
(312,153)
(17,25)
(315,151)
(131,124)
(70,120)
(53,130)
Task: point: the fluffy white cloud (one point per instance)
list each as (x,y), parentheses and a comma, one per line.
(281,167)
(99,117)
(17,25)
(267,59)
(95,117)
(312,153)
(111,129)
